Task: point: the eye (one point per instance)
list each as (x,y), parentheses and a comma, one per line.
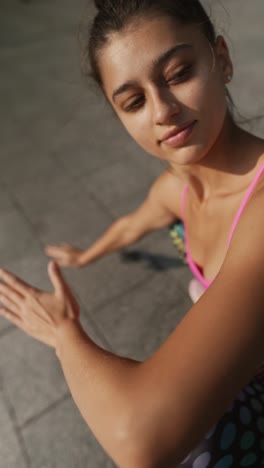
(181,75)
(135,104)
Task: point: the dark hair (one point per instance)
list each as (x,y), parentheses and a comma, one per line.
(114,15)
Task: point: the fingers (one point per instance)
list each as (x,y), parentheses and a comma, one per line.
(16,283)
(59,254)
(57,249)
(55,252)
(18,321)
(16,304)
(7,293)
(56,278)
(61,287)
(8,304)
(7,310)
(52,250)
(10,316)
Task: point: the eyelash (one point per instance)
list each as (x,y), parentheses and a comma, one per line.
(177,78)
(182,74)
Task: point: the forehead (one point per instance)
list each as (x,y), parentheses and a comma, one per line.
(132,51)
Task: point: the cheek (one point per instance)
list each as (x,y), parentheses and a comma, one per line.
(207,98)
(204,92)
(139,129)
(215,109)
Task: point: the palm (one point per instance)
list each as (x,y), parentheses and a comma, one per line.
(38,312)
(48,300)
(51,302)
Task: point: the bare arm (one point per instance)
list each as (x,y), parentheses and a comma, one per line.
(154,213)
(152,414)
(102,383)
(169,402)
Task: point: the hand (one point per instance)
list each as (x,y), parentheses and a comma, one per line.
(65,255)
(38,313)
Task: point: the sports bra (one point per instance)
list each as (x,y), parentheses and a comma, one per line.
(196,269)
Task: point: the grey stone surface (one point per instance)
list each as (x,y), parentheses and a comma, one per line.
(138,322)
(67,170)
(16,236)
(18,163)
(70,213)
(108,183)
(78,146)
(32,377)
(100,282)
(12,452)
(68,441)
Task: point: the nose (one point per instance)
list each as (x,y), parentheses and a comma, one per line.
(165,106)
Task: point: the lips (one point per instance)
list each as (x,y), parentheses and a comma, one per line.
(176,131)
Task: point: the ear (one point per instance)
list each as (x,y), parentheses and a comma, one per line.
(224,60)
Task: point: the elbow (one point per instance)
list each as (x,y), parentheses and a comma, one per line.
(131,452)
(137,452)
(141,459)
(136,459)
(128,233)
(144,439)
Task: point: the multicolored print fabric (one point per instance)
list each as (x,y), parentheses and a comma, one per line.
(177,234)
(237,440)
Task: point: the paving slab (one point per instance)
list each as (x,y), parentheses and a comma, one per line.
(53,192)
(6,203)
(68,169)
(18,164)
(78,147)
(31,374)
(139,321)
(68,441)
(16,236)
(101,282)
(109,187)
(32,377)
(11,449)
(79,220)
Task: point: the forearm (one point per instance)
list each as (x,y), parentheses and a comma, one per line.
(101,384)
(120,234)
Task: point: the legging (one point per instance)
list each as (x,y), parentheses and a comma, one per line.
(237,440)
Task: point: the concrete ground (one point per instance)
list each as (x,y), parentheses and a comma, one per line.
(67,171)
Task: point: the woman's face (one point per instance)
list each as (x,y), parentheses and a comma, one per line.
(167,87)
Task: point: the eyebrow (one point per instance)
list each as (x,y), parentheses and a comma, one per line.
(161,60)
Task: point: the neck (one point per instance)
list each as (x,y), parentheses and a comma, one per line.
(213,175)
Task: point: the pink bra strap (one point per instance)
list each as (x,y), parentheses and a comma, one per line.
(244,202)
(183,200)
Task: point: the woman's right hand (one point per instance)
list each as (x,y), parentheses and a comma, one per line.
(65,255)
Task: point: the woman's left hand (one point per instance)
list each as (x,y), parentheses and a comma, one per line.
(37,313)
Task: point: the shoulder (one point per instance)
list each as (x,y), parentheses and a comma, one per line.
(167,189)
(216,348)
(249,233)
(242,273)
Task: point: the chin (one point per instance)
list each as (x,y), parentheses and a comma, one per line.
(186,156)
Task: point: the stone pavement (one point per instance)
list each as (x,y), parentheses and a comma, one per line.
(67,171)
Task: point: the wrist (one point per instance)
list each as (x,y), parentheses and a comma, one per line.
(83,259)
(69,330)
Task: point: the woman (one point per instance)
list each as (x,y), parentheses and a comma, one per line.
(198,400)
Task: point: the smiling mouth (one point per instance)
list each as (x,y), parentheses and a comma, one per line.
(178,135)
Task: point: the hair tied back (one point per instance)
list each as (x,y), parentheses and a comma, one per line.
(102,4)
